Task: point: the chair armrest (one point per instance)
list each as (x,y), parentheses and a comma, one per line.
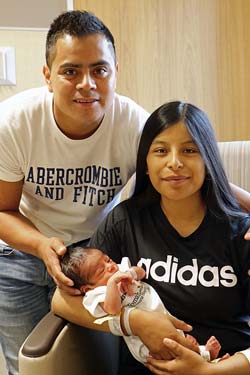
(57,347)
(43,336)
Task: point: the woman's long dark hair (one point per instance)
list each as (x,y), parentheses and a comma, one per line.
(216,191)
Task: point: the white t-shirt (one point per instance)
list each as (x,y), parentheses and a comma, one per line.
(69,185)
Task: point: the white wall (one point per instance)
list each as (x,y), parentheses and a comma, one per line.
(35,13)
(30,51)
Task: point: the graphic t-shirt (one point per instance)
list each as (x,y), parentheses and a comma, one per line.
(202,279)
(69,185)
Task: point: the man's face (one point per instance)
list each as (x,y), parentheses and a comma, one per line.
(83,79)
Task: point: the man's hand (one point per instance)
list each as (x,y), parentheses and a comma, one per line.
(50,252)
(152,327)
(242,196)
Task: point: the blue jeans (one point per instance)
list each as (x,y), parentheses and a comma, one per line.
(26,289)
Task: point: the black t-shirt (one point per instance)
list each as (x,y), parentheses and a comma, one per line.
(203,278)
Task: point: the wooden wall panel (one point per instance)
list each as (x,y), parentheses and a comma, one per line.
(193,50)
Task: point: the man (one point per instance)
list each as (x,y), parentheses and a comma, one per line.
(66,152)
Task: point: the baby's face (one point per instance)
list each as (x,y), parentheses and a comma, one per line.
(100,268)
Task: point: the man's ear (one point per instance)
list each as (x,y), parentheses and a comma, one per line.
(46,73)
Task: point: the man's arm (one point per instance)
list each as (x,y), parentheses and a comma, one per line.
(20,233)
(16,229)
(242,196)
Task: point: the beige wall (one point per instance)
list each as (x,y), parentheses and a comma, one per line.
(33,13)
(193,50)
(29,49)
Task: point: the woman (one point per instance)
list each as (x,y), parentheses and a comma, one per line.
(184,226)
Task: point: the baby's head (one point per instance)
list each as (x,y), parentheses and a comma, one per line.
(87,267)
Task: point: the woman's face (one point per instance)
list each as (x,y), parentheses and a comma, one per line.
(175,166)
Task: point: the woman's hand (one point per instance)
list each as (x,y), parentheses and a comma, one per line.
(186,362)
(153,327)
(183,361)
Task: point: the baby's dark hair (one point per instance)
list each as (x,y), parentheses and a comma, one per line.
(72,262)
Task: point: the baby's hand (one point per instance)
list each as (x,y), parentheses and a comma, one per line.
(125,281)
(127,288)
(120,276)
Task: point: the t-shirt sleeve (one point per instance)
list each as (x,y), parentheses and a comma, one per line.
(242,258)
(138,119)
(92,299)
(111,234)
(11,157)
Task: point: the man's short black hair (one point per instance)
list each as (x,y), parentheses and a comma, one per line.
(77,24)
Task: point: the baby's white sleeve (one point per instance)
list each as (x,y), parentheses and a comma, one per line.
(92,299)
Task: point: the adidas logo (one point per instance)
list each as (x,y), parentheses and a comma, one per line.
(190,275)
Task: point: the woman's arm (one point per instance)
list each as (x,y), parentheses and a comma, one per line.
(71,309)
(185,361)
(151,327)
